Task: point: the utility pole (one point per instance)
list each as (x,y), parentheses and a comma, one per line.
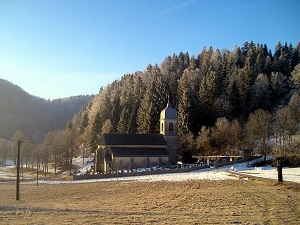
(83,150)
(37,170)
(46,163)
(18,172)
(70,160)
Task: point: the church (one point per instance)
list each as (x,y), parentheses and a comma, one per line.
(132,151)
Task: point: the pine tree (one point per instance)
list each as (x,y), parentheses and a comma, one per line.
(153,102)
(295,58)
(260,94)
(296,76)
(234,100)
(123,122)
(244,88)
(204,61)
(96,132)
(184,105)
(115,113)
(280,86)
(193,63)
(84,122)
(207,93)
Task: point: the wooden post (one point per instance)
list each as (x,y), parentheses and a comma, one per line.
(70,161)
(37,170)
(83,150)
(18,172)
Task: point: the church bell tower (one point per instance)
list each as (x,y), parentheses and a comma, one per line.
(168,128)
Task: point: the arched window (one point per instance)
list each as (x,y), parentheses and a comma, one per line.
(171,127)
(162,127)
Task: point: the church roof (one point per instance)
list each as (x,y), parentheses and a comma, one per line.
(144,152)
(132,139)
(168,113)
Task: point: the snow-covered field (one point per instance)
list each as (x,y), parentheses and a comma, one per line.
(222,173)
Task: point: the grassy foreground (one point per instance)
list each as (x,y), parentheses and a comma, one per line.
(251,201)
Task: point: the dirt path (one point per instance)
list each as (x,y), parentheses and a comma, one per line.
(131,202)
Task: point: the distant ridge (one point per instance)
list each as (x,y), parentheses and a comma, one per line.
(20,111)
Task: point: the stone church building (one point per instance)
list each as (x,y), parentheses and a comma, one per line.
(132,151)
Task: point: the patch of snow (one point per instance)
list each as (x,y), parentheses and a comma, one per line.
(289,174)
(87,166)
(204,174)
(10,173)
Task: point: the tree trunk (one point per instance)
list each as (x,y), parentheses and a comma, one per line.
(279,169)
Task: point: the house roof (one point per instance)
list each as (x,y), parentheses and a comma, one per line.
(135,152)
(132,139)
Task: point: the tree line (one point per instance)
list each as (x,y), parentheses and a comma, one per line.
(220,97)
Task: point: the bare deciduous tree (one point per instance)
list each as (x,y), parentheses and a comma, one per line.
(287,142)
(258,127)
(203,141)
(220,136)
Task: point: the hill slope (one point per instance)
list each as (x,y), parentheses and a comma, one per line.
(32,115)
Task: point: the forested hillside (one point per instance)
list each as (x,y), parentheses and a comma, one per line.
(215,84)
(225,100)
(35,117)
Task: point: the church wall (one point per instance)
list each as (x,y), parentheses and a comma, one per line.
(172,148)
(101,166)
(139,162)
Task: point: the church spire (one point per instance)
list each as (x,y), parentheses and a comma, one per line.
(168,96)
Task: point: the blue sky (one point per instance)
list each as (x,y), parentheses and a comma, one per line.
(61,48)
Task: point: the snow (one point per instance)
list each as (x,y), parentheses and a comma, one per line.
(84,168)
(6,173)
(205,174)
(289,174)
(222,173)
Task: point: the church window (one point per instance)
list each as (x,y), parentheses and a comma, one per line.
(171,128)
(162,127)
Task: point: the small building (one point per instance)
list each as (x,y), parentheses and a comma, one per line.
(132,151)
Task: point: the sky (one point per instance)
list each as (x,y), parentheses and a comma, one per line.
(61,48)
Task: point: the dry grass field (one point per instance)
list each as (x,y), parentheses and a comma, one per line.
(253,201)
